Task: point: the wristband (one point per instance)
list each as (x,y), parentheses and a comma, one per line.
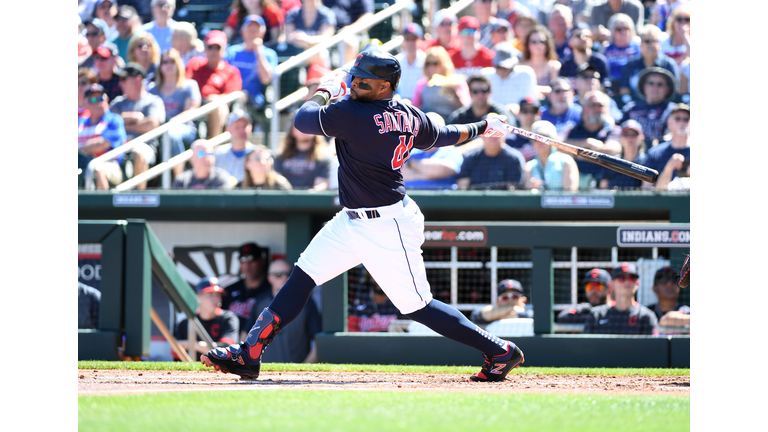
(477,128)
(321,97)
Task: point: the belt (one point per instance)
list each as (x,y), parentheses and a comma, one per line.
(392,210)
(363,214)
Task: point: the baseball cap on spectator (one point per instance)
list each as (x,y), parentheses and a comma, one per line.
(579,26)
(126,12)
(631,125)
(208,284)
(647,72)
(467,21)
(624,268)
(251,251)
(507,56)
(597,275)
(132,70)
(107,50)
(500,24)
(586,68)
(94,88)
(666,271)
(444,14)
(252,18)
(681,107)
(413,29)
(216,37)
(530,101)
(100,24)
(509,285)
(238,114)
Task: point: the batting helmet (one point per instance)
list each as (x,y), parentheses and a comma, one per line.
(374,64)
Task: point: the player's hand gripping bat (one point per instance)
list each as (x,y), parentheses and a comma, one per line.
(611,162)
(334,84)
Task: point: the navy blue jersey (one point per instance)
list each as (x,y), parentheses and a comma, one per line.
(608,131)
(637,320)
(373,140)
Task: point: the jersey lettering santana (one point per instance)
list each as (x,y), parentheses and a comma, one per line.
(373,141)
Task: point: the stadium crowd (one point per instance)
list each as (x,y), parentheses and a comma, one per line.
(607,75)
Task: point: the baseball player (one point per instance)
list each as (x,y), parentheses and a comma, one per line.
(379,226)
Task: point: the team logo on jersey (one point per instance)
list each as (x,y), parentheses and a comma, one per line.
(632,321)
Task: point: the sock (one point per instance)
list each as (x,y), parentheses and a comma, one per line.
(293,296)
(452,324)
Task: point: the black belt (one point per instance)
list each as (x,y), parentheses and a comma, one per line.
(370,214)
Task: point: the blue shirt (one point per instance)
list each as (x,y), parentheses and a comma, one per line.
(246,62)
(450,154)
(324,16)
(498,172)
(604,133)
(630,73)
(661,154)
(349,11)
(618,57)
(110,127)
(564,121)
(617,180)
(598,61)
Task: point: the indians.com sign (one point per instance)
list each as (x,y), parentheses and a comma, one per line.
(455,236)
(654,237)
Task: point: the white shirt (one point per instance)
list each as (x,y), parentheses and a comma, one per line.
(518,85)
(410,73)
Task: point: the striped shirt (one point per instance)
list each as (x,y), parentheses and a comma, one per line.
(110,127)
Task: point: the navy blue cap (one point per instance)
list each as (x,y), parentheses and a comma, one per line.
(666,270)
(624,268)
(208,284)
(597,275)
(510,285)
(253,18)
(413,29)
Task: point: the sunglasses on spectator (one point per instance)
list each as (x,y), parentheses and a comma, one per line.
(627,278)
(581,35)
(681,119)
(83,82)
(142,45)
(595,105)
(213,47)
(537,41)
(594,286)
(509,296)
(529,110)
(560,90)
(92,34)
(683,19)
(618,29)
(478,91)
(468,31)
(667,279)
(167,61)
(431,63)
(280,274)
(630,134)
(650,41)
(202,153)
(588,76)
(94,99)
(445,23)
(656,83)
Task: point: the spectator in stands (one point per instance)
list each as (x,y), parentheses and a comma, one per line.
(85,9)
(436,168)
(411,60)
(510,80)
(547,7)
(141,112)
(510,10)
(348,13)
(180,95)
(633,150)
(501,32)
(304,160)
(623,314)
(296,343)
(523,25)
(371,310)
(252,287)
(678,45)
(685,78)
(440,90)
(184,40)
(96,34)
(550,169)
(106,10)
(310,25)
(144,50)
(527,114)
(222,325)
(99,133)
(596,131)
(215,77)
(580,43)
(485,12)
(560,23)
(254,61)
(231,157)
(482,103)
(668,157)
(204,173)
(622,46)
(540,55)
(510,303)
(472,56)
(83,49)
(105,63)
(602,13)
(445,32)
(161,27)
(657,86)
(88,305)
(668,309)
(596,283)
(260,171)
(650,55)
(561,111)
(589,79)
(274,19)
(85,78)
(128,23)
(495,165)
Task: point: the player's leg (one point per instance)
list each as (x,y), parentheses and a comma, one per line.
(327,256)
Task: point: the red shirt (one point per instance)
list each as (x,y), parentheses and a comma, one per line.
(455,44)
(224,79)
(467,67)
(272,14)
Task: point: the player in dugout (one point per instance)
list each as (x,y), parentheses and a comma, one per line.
(380,226)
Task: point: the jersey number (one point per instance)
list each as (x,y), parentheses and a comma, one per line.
(402,152)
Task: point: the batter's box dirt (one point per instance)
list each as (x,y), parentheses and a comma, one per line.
(92,382)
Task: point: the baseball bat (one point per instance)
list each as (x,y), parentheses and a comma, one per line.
(611,162)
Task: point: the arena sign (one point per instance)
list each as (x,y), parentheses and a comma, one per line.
(654,237)
(455,236)
(577,201)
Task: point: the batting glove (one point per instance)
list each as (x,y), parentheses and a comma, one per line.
(335,85)
(497,126)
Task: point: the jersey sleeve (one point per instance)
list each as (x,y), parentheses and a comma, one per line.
(338,120)
(428,134)
(230,328)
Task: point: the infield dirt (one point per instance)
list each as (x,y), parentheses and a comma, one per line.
(95,382)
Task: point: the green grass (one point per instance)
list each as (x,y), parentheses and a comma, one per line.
(339,411)
(322,367)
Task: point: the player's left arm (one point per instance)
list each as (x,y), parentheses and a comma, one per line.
(460,133)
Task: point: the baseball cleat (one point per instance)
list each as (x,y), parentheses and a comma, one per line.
(232,359)
(497,367)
